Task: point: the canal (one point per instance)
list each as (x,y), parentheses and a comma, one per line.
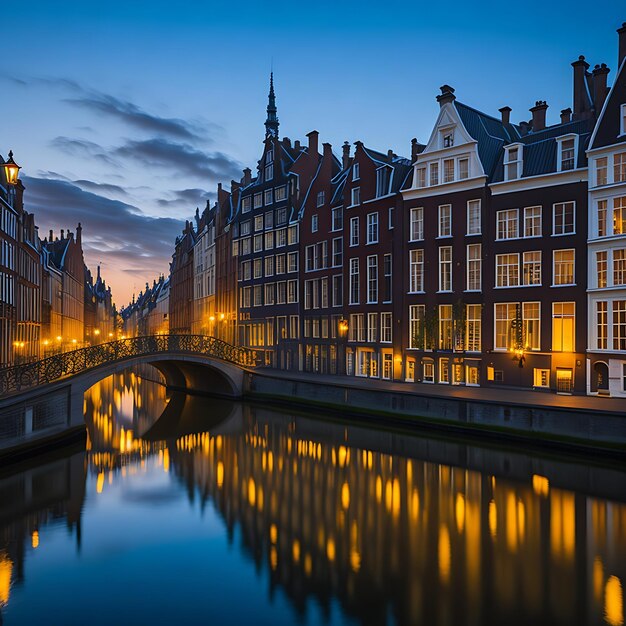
(189,510)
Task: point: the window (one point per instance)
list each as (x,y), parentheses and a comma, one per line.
(245,271)
(531,268)
(567,149)
(563,326)
(390,218)
(416,326)
(258,268)
(563,267)
(245,246)
(356,171)
(416,270)
(622,125)
(292,235)
(532,221)
(269,294)
(619,216)
(445,327)
(445,220)
(372,327)
(354,231)
(387,272)
(474,267)
(372,279)
(372,228)
(383,178)
(269,197)
(324,286)
(281,237)
(337,252)
(281,215)
(245,228)
(601,218)
(356,196)
(448,170)
(531,317)
(619,167)
(245,297)
(602,169)
(434,174)
(541,377)
(338,290)
(619,267)
(292,262)
(507,224)
(320,198)
(463,169)
(602,325)
(445,268)
(354,281)
(269,220)
(473,327)
(563,218)
(602,268)
(269,266)
(258,223)
(314,223)
(513,163)
(258,243)
(505,316)
(429,371)
(246,204)
(385,327)
(280,263)
(280,193)
(269,171)
(619,325)
(269,240)
(356,327)
(258,295)
(447,139)
(258,200)
(417,224)
(507,270)
(421,177)
(473,217)
(292,291)
(337,218)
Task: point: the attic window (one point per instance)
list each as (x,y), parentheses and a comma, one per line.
(356,172)
(567,153)
(448,139)
(383,177)
(513,162)
(269,156)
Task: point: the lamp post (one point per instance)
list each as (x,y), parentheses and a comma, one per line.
(518,330)
(11,170)
(343,327)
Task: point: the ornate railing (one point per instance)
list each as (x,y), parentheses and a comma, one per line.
(66,364)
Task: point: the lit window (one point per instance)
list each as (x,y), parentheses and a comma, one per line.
(619,267)
(531,271)
(445,327)
(563,267)
(507,226)
(507,270)
(563,326)
(619,215)
(532,221)
(602,268)
(619,325)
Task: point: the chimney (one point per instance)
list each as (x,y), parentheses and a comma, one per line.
(414,152)
(51,235)
(98,272)
(286,142)
(539,115)
(505,112)
(447,95)
(328,150)
(581,94)
(313,142)
(622,45)
(566,115)
(62,234)
(247,177)
(296,145)
(79,234)
(600,90)
(219,188)
(345,161)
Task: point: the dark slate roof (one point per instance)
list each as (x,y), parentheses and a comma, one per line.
(339,182)
(57,251)
(540,150)
(490,133)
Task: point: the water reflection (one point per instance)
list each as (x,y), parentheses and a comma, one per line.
(363,525)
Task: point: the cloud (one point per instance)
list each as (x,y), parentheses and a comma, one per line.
(136,117)
(187,197)
(82,148)
(114,232)
(181,158)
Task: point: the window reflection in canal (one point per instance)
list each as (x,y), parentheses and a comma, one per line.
(331,523)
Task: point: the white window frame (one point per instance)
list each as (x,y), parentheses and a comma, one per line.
(559,157)
(564,234)
(518,162)
(372,224)
(554,252)
(474,203)
(441,218)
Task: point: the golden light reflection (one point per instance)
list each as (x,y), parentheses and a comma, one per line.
(34,539)
(166,460)
(493,519)
(296,551)
(6,569)
(443,553)
(330,549)
(541,485)
(460,512)
(598,578)
(220,474)
(100,482)
(273,533)
(613,602)
(345,496)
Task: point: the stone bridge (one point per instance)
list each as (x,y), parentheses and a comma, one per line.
(188,363)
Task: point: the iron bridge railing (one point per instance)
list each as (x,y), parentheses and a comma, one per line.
(63,365)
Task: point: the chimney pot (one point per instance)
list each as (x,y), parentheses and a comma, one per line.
(600,89)
(539,115)
(313,142)
(505,113)
(346,155)
(62,233)
(566,115)
(414,150)
(447,95)
(296,145)
(328,149)
(51,234)
(582,104)
(621,45)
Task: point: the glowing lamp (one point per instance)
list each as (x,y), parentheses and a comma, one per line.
(59,338)
(212,318)
(96,332)
(343,326)
(222,316)
(11,170)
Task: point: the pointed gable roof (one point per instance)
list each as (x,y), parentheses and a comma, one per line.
(607,131)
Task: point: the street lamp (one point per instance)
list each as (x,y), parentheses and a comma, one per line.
(11,169)
(343,327)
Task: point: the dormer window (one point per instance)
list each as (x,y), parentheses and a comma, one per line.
(567,153)
(434,174)
(513,162)
(383,178)
(356,172)
(421,177)
(447,138)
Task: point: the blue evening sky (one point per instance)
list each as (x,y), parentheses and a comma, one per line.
(125,115)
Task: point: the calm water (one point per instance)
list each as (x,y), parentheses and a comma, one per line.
(223,513)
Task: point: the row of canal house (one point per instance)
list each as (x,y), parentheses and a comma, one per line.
(464,264)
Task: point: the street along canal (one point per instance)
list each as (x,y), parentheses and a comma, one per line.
(230,513)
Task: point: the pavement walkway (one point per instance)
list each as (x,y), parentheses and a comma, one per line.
(502,395)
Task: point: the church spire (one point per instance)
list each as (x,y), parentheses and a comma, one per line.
(271,123)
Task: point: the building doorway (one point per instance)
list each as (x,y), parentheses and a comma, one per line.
(600,377)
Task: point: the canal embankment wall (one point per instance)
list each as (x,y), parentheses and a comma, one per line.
(510,417)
